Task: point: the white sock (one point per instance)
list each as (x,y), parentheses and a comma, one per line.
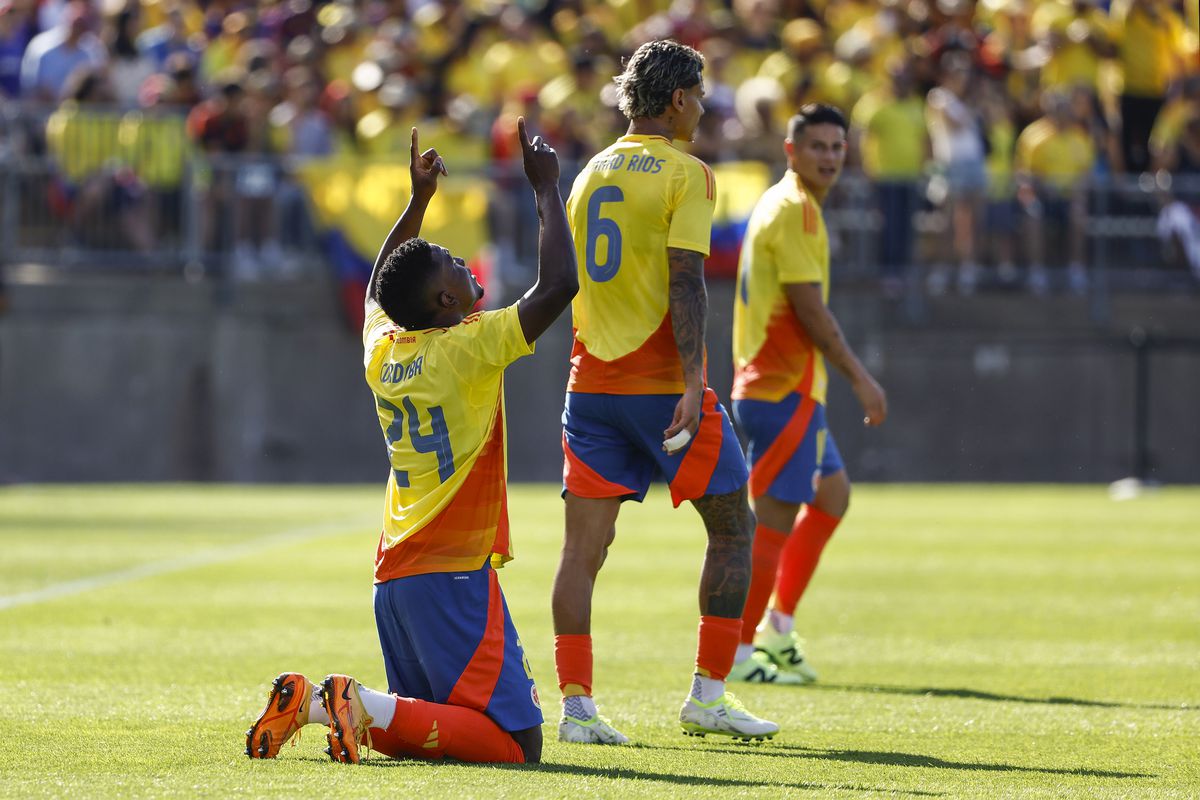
(744,651)
(316,709)
(782,623)
(381,706)
(705,689)
(579,706)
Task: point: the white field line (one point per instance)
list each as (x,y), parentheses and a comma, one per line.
(204,558)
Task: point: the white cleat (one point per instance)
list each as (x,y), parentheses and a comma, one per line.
(596,730)
(725,716)
(786,650)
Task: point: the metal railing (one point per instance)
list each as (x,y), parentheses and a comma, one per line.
(111,190)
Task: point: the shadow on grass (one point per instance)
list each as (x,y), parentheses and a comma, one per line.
(974,694)
(886,758)
(628,773)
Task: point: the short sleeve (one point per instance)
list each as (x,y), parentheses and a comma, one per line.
(694,194)
(796,247)
(485,342)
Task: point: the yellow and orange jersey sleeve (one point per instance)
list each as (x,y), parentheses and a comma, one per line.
(629,204)
(786,243)
(798,247)
(439,400)
(694,199)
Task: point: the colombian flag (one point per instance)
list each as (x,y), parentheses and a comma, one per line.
(739,185)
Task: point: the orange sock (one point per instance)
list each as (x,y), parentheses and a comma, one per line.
(573,662)
(768,544)
(800,556)
(718,644)
(420,729)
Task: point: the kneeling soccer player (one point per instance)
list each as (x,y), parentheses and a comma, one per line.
(458,682)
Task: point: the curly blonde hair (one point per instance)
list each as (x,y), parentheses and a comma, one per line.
(653,73)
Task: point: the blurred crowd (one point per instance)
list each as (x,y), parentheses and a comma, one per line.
(998,113)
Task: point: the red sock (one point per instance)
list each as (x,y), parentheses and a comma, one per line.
(573,662)
(718,644)
(800,556)
(768,544)
(431,730)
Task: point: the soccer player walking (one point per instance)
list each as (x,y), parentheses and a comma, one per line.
(783,333)
(458,681)
(637,403)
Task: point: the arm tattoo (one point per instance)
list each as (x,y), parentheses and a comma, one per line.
(689,309)
(726,575)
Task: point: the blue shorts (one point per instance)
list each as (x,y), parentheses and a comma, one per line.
(613,447)
(447,637)
(791,447)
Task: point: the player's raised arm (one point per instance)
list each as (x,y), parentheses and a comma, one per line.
(423,169)
(826,333)
(689,313)
(558,278)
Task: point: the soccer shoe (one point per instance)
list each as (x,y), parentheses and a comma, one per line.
(786,650)
(759,668)
(348,718)
(596,730)
(725,716)
(285,714)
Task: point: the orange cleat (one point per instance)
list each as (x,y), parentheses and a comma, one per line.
(348,718)
(286,713)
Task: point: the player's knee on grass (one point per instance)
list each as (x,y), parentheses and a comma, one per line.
(530,742)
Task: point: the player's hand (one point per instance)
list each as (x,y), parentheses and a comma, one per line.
(687,413)
(424,168)
(541,162)
(873,399)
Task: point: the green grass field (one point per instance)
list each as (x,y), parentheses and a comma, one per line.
(972,642)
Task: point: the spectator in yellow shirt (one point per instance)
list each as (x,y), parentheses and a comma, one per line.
(1053,160)
(1152,49)
(889,126)
(1076,33)
(94,185)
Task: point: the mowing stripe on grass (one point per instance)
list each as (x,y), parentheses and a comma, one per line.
(204,558)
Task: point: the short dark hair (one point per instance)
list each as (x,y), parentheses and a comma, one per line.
(815,114)
(653,73)
(400,284)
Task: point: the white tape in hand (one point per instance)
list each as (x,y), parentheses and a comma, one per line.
(677,442)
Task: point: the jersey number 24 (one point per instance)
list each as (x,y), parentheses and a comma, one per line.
(436,441)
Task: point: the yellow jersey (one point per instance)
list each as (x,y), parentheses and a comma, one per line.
(894,135)
(439,394)
(786,242)
(1152,44)
(629,204)
(1060,158)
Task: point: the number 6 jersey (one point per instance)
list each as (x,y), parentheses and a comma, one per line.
(629,204)
(439,394)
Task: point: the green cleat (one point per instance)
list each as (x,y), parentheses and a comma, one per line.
(759,668)
(787,651)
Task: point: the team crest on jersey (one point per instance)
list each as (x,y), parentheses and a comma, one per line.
(816,479)
(533,695)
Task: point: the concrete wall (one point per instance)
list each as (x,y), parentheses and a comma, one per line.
(136,380)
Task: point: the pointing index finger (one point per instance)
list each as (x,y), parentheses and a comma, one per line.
(521,133)
(413,152)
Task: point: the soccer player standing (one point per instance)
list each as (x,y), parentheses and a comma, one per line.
(641,214)
(783,333)
(458,681)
